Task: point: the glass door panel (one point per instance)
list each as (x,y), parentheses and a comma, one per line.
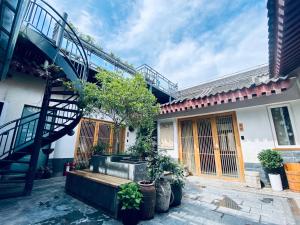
(187,141)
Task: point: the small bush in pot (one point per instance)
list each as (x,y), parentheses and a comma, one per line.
(272,161)
(130,199)
(99,149)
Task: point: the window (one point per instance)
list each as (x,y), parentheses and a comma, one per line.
(93,132)
(28,125)
(283,126)
(166,135)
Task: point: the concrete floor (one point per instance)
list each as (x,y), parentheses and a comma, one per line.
(205,202)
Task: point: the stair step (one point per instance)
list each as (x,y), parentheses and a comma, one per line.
(63,93)
(12,171)
(56,124)
(63,109)
(12,181)
(63,101)
(62,117)
(5,161)
(8,190)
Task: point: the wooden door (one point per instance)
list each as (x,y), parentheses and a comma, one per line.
(212,147)
(227,147)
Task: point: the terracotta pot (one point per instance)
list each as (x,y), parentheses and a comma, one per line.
(130,216)
(149,198)
(293,175)
(163,195)
(177,195)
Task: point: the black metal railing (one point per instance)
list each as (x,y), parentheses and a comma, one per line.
(17,133)
(157,80)
(63,108)
(44,19)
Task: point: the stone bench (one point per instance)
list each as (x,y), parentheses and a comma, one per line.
(100,190)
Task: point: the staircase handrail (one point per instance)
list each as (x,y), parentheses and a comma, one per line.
(36,7)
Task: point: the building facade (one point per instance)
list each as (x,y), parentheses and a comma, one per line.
(218,128)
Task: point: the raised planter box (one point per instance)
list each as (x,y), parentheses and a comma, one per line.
(120,166)
(97,189)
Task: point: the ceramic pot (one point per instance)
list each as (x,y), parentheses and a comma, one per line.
(275,181)
(149,199)
(177,195)
(163,195)
(130,216)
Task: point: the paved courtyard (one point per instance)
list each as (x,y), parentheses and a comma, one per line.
(204,202)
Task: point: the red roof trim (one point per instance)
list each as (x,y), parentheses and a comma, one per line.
(231,96)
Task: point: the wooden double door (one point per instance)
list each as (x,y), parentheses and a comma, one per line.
(210,146)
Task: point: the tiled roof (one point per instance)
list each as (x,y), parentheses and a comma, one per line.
(227,83)
(238,87)
(284,36)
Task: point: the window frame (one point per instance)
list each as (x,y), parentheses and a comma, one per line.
(173,134)
(291,115)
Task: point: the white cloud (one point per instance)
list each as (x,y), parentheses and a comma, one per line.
(187,41)
(80,15)
(234,44)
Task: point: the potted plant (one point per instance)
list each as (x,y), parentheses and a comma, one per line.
(177,184)
(271,161)
(176,187)
(157,166)
(148,190)
(175,176)
(98,158)
(130,199)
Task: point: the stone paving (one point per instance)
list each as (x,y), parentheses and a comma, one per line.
(202,204)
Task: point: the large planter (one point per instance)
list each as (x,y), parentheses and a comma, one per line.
(163,195)
(177,195)
(275,181)
(279,171)
(149,199)
(293,175)
(130,216)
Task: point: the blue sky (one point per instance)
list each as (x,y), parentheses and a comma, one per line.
(188,41)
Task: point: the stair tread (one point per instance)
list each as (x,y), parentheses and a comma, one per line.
(12,181)
(63,92)
(13,161)
(64,109)
(62,117)
(8,171)
(63,100)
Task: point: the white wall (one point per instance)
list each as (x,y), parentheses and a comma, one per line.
(17,91)
(257,132)
(171,152)
(130,137)
(65,146)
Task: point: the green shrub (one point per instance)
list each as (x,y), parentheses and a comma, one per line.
(270,159)
(130,196)
(99,149)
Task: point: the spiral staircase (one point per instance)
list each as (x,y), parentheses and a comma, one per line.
(21,140)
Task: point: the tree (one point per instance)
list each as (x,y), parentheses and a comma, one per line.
(127,101)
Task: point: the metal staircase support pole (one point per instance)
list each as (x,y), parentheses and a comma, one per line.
(37,140)
(61,31)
